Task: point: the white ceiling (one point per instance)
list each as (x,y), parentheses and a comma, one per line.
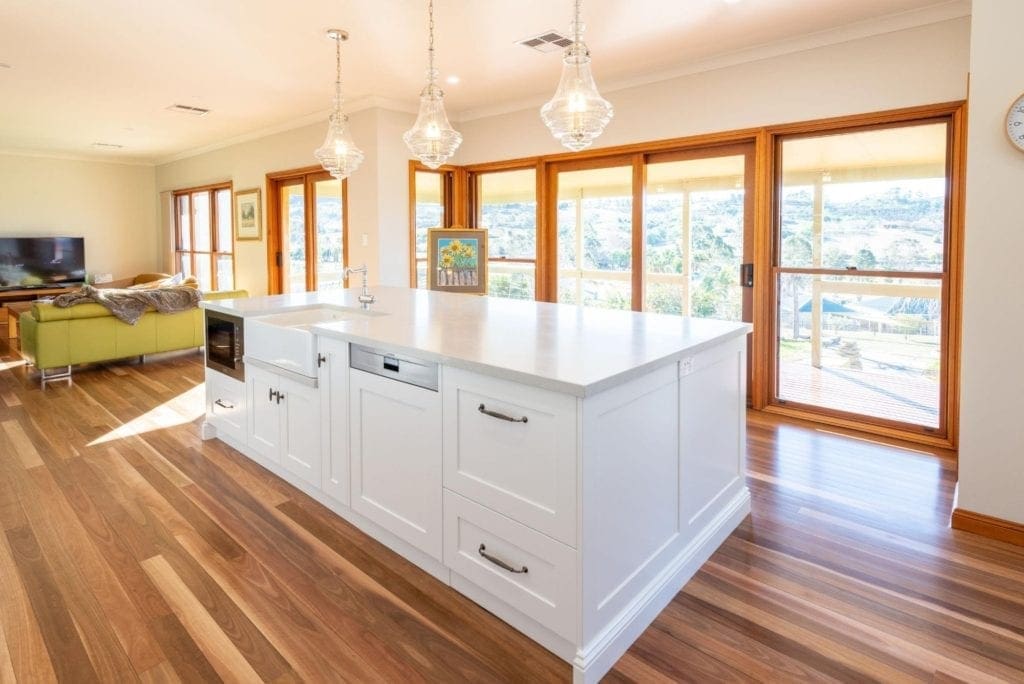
(105,70)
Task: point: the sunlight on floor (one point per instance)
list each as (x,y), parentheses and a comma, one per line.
(182,409)
(8,365)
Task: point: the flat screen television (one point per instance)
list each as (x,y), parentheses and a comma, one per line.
(40,261)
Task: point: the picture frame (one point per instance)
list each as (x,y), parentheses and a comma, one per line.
(248,219)
(457,260)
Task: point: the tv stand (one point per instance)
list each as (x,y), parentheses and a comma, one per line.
(23,294)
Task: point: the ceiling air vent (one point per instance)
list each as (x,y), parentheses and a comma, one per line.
(549,41)
(107,146)
(187,109)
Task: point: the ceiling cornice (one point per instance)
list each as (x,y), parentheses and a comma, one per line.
(933,14)
(64,156)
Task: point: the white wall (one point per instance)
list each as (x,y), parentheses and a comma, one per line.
(923,65)
(113,206)
(377,199)
(992,401)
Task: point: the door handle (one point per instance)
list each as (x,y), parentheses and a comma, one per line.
(747,275)
(500,416)
(220,402)
(500,563)
(320,360)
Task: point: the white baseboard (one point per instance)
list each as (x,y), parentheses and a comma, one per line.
(600,655)
(418,558)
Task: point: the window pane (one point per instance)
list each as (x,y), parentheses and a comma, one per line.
(201,221)
(595,234)
(511,280)
(860,344)
(224,230)
(185,263)
(694,227)
(870,200)
(184,223)
(421,273)
(204,271)
(293,218)
(225,274)
(429,207)
(508,209)
(329,231)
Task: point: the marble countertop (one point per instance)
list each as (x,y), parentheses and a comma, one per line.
(570,349)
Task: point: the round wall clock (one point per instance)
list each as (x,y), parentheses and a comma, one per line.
(1015,123)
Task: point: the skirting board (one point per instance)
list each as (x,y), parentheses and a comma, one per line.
(987,526)
(604,651)
(423,561)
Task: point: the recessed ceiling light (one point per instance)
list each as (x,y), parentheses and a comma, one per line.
(453,79)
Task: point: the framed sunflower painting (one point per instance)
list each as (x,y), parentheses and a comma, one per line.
(457,260)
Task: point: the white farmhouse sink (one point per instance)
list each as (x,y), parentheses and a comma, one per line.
(285,340)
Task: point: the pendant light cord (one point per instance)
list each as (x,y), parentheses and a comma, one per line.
(577,24)
(431,73)
(337,76)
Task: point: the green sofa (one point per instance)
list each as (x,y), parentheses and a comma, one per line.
(54,338)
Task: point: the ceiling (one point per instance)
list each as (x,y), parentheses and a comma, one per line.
(106,70)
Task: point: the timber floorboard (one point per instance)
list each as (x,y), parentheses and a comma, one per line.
(131,550)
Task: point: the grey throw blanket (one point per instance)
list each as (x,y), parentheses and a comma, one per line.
(129,305)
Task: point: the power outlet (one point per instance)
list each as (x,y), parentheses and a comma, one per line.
(365,241)
(102,278)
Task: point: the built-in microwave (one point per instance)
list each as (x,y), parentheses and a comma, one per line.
(225,344)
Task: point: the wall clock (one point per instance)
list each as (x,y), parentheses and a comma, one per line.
(1015,123)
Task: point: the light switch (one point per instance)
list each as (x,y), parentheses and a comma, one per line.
(366,240)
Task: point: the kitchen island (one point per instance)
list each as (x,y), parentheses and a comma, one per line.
(567,468)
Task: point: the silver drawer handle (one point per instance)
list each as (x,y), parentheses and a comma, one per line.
(500,563)
(501,416)
(221,403)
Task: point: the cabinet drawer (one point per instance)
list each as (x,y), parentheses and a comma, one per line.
(545,586)
(525,467)
(225,405)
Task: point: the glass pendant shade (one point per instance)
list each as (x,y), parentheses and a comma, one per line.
(432,138)
(339,155)
(577,114)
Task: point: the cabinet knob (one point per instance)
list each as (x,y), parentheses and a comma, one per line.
(320,360)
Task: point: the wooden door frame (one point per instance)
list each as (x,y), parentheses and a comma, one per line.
(308,176)
(454,203)
(952,113)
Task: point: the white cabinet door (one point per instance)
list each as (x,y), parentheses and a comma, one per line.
(300,425)
(334,410)
(264,413)
(396,458)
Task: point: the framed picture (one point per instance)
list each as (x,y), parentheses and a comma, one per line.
(248,225)
(457,260)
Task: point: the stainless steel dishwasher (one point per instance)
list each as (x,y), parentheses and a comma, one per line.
(407,369)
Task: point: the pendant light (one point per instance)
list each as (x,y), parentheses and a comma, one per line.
(577,114)
(339,154)
(432,138)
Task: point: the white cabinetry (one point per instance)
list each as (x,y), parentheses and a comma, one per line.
(225,406)
(333,364)
(285,423)
(512,448)
(396,458)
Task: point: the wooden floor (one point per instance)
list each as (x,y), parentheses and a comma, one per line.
(131,550)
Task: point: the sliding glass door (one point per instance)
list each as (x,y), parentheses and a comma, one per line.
(861,270)
(307,232)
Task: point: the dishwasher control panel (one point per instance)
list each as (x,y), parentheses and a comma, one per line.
(398,367)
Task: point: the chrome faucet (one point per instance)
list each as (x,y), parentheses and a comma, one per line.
(365,298)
